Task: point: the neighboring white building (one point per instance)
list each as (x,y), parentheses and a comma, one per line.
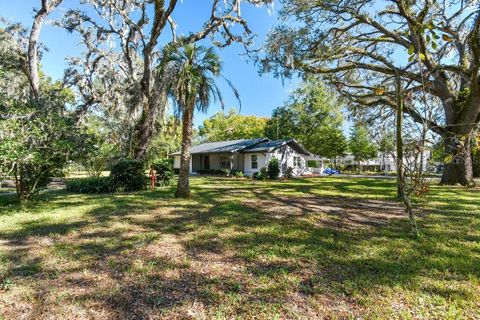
(383,162)
(248,156)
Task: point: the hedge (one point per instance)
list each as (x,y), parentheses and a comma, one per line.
(91,185)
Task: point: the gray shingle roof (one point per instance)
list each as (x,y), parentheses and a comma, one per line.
(244,146)
(270,146)
(222,146)
(266,146)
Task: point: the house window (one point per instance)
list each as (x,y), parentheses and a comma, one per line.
(254,161)
(224,162)
(297,161)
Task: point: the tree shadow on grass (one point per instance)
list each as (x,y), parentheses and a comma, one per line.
(244,249)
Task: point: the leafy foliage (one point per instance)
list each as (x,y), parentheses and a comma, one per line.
(38,133)
(360,144)
(127,80)
(100,149)
(163,172)
(37,138)
(289,173)
(313,117)
(129,175)
(359,46)
(214,172)
(238,174)
(273,168)
(168,139)
(91,185)
(232,126)
(386,143)
(261,175)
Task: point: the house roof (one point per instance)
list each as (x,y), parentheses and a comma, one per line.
(223,146)
(269,146)
(245,146)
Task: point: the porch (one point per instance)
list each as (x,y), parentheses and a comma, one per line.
(217,161)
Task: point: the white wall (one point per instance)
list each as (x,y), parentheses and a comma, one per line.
(247,163)
(176,162)
(284,155)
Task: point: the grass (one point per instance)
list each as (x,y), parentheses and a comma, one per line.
(299,249)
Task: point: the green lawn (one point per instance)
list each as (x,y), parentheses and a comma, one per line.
(312,248)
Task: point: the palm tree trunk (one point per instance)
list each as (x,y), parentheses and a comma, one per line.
(183,186)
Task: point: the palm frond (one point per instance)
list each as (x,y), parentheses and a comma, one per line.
(192,71)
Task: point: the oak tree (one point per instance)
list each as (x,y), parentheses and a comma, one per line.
(359,46)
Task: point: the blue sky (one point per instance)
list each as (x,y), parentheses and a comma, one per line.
(259,94)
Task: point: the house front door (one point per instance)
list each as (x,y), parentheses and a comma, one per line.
(206,162)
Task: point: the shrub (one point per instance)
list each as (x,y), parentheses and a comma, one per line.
(289,173)
(38,138)
(238,174)
(31,178)
(164,172)
(311,163)
(214,172)
(262,175)
(98,160)
(273,169)
(91,185)
(129,175)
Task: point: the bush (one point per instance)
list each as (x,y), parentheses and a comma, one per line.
(164,172)
(91,185)
(289,173)
(238,174)
(32,177)
(311,164)
(98,160)
(262,175)
(129,175)
(273,169)
(214,172)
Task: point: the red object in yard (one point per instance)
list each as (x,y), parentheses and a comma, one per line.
(153,176)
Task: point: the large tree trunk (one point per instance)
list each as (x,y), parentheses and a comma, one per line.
(155,106)
(183,186)
(459,166)
(461,115)
(33,53)
(42,13)
(144,134)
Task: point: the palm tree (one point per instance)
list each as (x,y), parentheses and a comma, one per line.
(193,70)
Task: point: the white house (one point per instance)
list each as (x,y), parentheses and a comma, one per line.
(248,156)
(383,162)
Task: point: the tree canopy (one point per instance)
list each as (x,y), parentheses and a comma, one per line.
(127,78)
(360,144)
(232,126)
(313,116)
(361,46)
